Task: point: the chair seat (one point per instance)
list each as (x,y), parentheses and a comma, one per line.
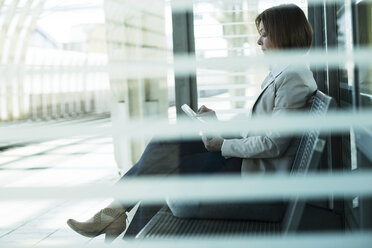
(165,225)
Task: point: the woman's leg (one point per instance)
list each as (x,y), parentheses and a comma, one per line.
(180,158)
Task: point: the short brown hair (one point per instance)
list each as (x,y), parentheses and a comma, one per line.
(286,26)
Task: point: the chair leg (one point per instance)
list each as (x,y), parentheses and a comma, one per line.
(319,218)
(142,216)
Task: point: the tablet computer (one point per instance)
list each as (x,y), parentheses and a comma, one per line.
(191,113)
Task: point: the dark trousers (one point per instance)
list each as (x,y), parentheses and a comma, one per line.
(163,158)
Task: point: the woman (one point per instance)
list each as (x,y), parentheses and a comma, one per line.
(287,88)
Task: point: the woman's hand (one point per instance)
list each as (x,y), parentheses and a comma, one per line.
(206,113)
(212,144)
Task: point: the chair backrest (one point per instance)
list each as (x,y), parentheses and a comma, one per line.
(307,158)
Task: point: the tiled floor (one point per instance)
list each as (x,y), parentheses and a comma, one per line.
(64,162)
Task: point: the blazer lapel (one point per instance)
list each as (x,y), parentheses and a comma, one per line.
(269,80)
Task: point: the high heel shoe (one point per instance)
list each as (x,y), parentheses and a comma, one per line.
(110,221)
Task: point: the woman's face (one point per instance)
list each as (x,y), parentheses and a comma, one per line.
(264,41)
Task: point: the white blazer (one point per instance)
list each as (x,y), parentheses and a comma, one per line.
(285,89)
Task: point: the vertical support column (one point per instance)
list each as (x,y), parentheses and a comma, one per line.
(333,89)
(362,37)
(355,29)
(184,44)
(323,18)
(331,28)
(316,18)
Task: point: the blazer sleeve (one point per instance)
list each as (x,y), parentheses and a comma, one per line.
(291,93)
